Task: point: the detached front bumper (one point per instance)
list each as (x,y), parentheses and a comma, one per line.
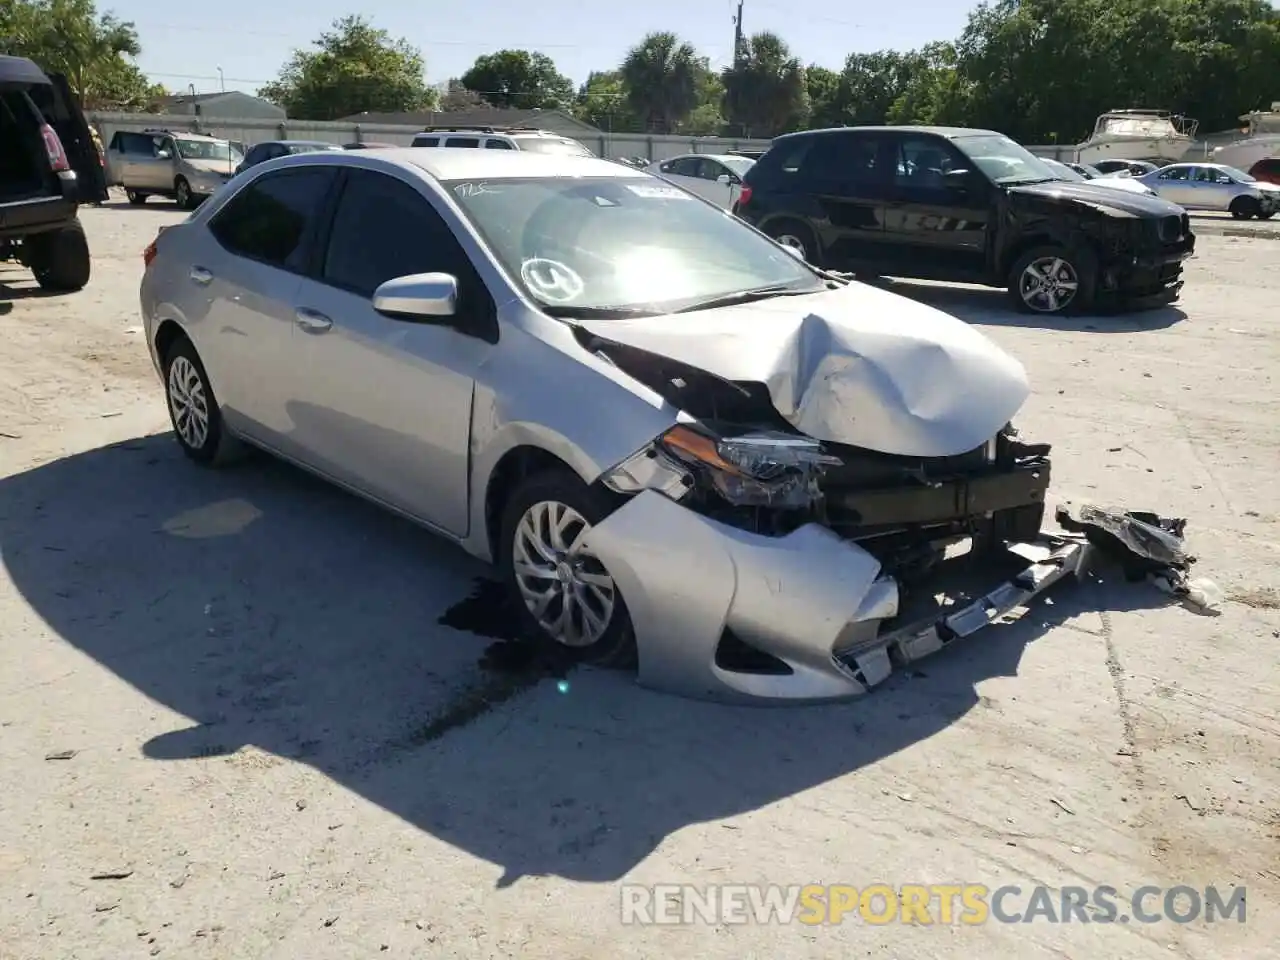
(728,615)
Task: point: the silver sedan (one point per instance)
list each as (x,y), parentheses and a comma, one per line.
(1215,186)
(678,443)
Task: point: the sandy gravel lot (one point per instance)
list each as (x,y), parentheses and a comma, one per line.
(277,751)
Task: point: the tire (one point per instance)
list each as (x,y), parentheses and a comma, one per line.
(537,500)
(183,195)
(1266,216)
(1244,208)
(136,198)
(60,259)
(187,388)
(793,233)
(1077,266)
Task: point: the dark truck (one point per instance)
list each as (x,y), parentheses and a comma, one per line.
(964,206)
(48,166)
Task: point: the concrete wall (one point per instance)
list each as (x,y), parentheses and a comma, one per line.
(250,131)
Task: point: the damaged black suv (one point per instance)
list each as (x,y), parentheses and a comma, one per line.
(45,150)
(965,206)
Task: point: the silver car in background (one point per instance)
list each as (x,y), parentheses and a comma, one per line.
(1215,186)
(1078,173)
(187,167)
(679,444)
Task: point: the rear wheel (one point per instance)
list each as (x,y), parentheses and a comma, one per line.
(1266,216)
(561,590)
(797,236)
(1244,208)
(193,409)
(1053,280)
(60,259)
(136,198)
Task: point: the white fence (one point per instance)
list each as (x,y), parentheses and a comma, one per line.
(250,131)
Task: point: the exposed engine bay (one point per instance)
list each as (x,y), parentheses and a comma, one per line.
(742,464)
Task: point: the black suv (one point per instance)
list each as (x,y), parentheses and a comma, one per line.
(47,158)
(966,206)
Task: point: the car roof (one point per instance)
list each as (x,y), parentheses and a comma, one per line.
(460,164)
(950,133)
(21,71)
(302,143)
(708,156)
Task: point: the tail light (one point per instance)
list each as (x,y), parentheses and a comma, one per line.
(53,147)
(745,196)
(149,254)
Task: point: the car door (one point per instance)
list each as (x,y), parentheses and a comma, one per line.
(247,271)
(719,182)
(384,404)
(1173,184)
(934,226)
(685,172)
(844,174)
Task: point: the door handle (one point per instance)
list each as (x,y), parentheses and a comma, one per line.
(312,321)
(201,276)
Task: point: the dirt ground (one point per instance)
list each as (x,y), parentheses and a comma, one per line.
(275,751)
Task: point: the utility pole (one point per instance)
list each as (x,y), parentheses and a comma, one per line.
(738,50)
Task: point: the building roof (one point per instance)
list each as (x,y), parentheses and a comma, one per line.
(479,117)
(177,98)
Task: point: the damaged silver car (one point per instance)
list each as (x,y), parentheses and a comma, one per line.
(684,448)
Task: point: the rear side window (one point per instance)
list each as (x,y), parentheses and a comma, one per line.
(426,141)
(270,220)
(498,145)
(780,162)
(462,142)
(845,158)
(133,143)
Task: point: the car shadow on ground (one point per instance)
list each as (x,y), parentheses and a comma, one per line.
(275,611)
(20,285)
(154,204)
(989,307)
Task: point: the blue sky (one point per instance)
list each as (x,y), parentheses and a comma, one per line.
(249,39)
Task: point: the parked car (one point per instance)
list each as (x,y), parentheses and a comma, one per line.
(531,139)
(368,145)
(45,147)
(188,167)
(714,177)
(1215,186)
(1130,168)
(1079,173)
(1266,170)
(943,203)
(608,388)
(270,149)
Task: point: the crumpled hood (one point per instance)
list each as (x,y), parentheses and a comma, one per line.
(1136,204)
(859,366)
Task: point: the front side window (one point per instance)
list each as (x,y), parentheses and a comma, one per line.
(738,165)
(383,229)
(1002,160)
(618,246)
(206,150)
(270,219)
(1174,173)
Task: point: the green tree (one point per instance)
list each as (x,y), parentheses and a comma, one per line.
(873,82)
(662,76)
(765,92)
(932,91)
(519,79)
(355,68)
(602,101)
(828,97)
(707,118)
(94,51)
(457,97)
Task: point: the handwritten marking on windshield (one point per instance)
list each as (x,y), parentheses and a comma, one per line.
(656,192)
(469,190)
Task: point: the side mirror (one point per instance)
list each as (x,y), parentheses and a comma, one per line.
(162,154)
(724,178)
(422,297)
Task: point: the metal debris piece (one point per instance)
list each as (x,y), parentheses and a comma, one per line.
(61,755)
(120,873)
(1061,806)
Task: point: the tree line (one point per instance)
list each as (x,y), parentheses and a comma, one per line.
(1038,70)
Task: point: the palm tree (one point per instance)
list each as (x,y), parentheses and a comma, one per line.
(765,90)
(661,76)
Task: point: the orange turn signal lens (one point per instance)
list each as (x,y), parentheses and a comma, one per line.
(693,445)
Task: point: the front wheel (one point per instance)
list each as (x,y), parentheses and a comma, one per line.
(1245,208)
(135,198)
(561,590)
(182,193)
(1053,280)
(798,237)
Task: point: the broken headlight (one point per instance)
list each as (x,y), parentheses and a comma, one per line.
(761,469)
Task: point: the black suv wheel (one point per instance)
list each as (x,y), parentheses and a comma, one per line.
(1053,280)
(60,258)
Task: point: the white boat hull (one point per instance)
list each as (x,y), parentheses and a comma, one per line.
(1154,149)
(1243,154)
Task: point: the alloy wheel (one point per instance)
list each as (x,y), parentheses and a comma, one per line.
(1048,284)
(794,242)
(188,403)
(563,585)
(184,194)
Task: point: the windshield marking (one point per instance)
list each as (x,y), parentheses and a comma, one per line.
(469,190)
(657,192)
(551,280)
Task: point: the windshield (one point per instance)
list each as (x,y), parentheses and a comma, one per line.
(569,148)
(1238,175)
(1090,171)
(739,165)
(624,245)
(207,150)
(312,147)
(1062,172)
(1003,160)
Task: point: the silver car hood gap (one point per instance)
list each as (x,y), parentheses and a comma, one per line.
(858,366)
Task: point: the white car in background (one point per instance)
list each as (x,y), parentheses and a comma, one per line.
(1080,173)
(712,176)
